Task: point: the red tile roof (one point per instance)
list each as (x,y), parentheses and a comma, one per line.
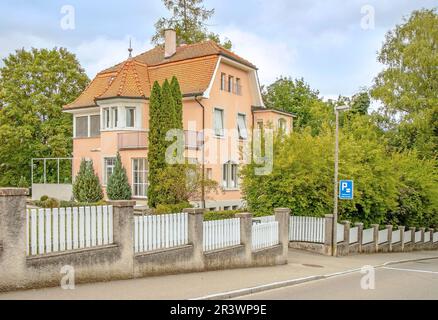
(193,65)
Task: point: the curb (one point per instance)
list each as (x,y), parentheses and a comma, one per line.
(293,282)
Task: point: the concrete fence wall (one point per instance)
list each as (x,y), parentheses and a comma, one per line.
(390,240)
(119,260)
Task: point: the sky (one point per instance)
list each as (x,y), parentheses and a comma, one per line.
(332,44)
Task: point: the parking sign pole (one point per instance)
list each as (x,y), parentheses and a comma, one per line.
(335,209)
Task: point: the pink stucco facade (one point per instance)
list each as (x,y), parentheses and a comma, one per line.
(232,104)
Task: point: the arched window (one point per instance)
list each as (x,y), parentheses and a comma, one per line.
(282,125)
(230,175)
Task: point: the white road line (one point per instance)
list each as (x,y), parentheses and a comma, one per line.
(410,270)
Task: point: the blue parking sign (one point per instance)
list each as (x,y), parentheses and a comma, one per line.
(346,189)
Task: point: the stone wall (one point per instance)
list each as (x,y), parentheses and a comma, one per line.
(118,260)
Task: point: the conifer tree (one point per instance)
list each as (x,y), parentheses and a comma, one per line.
(78,183)
(87,186)
(118,185)
(156,154)
(177,97)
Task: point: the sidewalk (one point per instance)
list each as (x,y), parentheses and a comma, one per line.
(189,286)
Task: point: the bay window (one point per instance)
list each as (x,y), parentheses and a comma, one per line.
(130,117)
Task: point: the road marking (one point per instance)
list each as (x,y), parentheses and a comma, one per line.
(410,270)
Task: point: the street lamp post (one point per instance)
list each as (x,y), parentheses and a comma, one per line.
(335,208)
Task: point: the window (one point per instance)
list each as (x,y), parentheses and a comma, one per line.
(223,81)
(130,117)
(209,174)
(82,127)
(109,165)
(115,117)
(238,87)
(219,122)
(94,126)
(282,125)
(106,118)
(230,84)
(140,177)
(229,174)
(241,126)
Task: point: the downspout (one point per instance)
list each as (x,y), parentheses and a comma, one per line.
(203,153)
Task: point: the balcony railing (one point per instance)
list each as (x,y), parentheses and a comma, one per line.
(139,140)
(193,139)
(132,140)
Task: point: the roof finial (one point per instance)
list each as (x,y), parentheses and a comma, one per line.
(130,48)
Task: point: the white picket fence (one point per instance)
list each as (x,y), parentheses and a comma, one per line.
(407,236)
(427,236)
(64,229)
(221,234)
(368,236)
(265,235)
(340,233)
(417,236)
(158,232)
(435,237)
(396,236)
(354,235)
(265,219)
(307,229)
(383,236)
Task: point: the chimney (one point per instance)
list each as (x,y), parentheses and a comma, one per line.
(170,43)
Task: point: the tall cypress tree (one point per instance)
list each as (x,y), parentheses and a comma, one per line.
(156,155)
(177,97)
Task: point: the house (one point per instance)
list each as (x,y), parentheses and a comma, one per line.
(221,92)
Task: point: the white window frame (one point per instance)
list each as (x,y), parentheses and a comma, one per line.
(144,172)
(222,133)
(279,124)
(134,117)
(230,182)
(88,116)
(245,134)
(105,167)
(223,81)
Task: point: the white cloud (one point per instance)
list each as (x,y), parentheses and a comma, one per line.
(103,52)
(273,57)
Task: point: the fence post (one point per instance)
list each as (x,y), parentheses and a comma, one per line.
(359,226)
(402,237)
(246,234)
(389,227)
(328,234)
(376,237)
(196,235)
(431,238)
(123,233)
(12,237)
(413,230)
(423,230)
(282,216)
(346,244)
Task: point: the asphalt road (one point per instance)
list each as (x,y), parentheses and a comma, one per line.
(414,281)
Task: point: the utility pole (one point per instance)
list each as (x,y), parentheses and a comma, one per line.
(336,196)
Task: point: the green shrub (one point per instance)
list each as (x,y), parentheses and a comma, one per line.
(44,198)
(173,208)
(220,215)
(87,186)
(23,183)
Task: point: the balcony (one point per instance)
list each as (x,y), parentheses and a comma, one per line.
(193,139)
(132,140)
(139,140)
